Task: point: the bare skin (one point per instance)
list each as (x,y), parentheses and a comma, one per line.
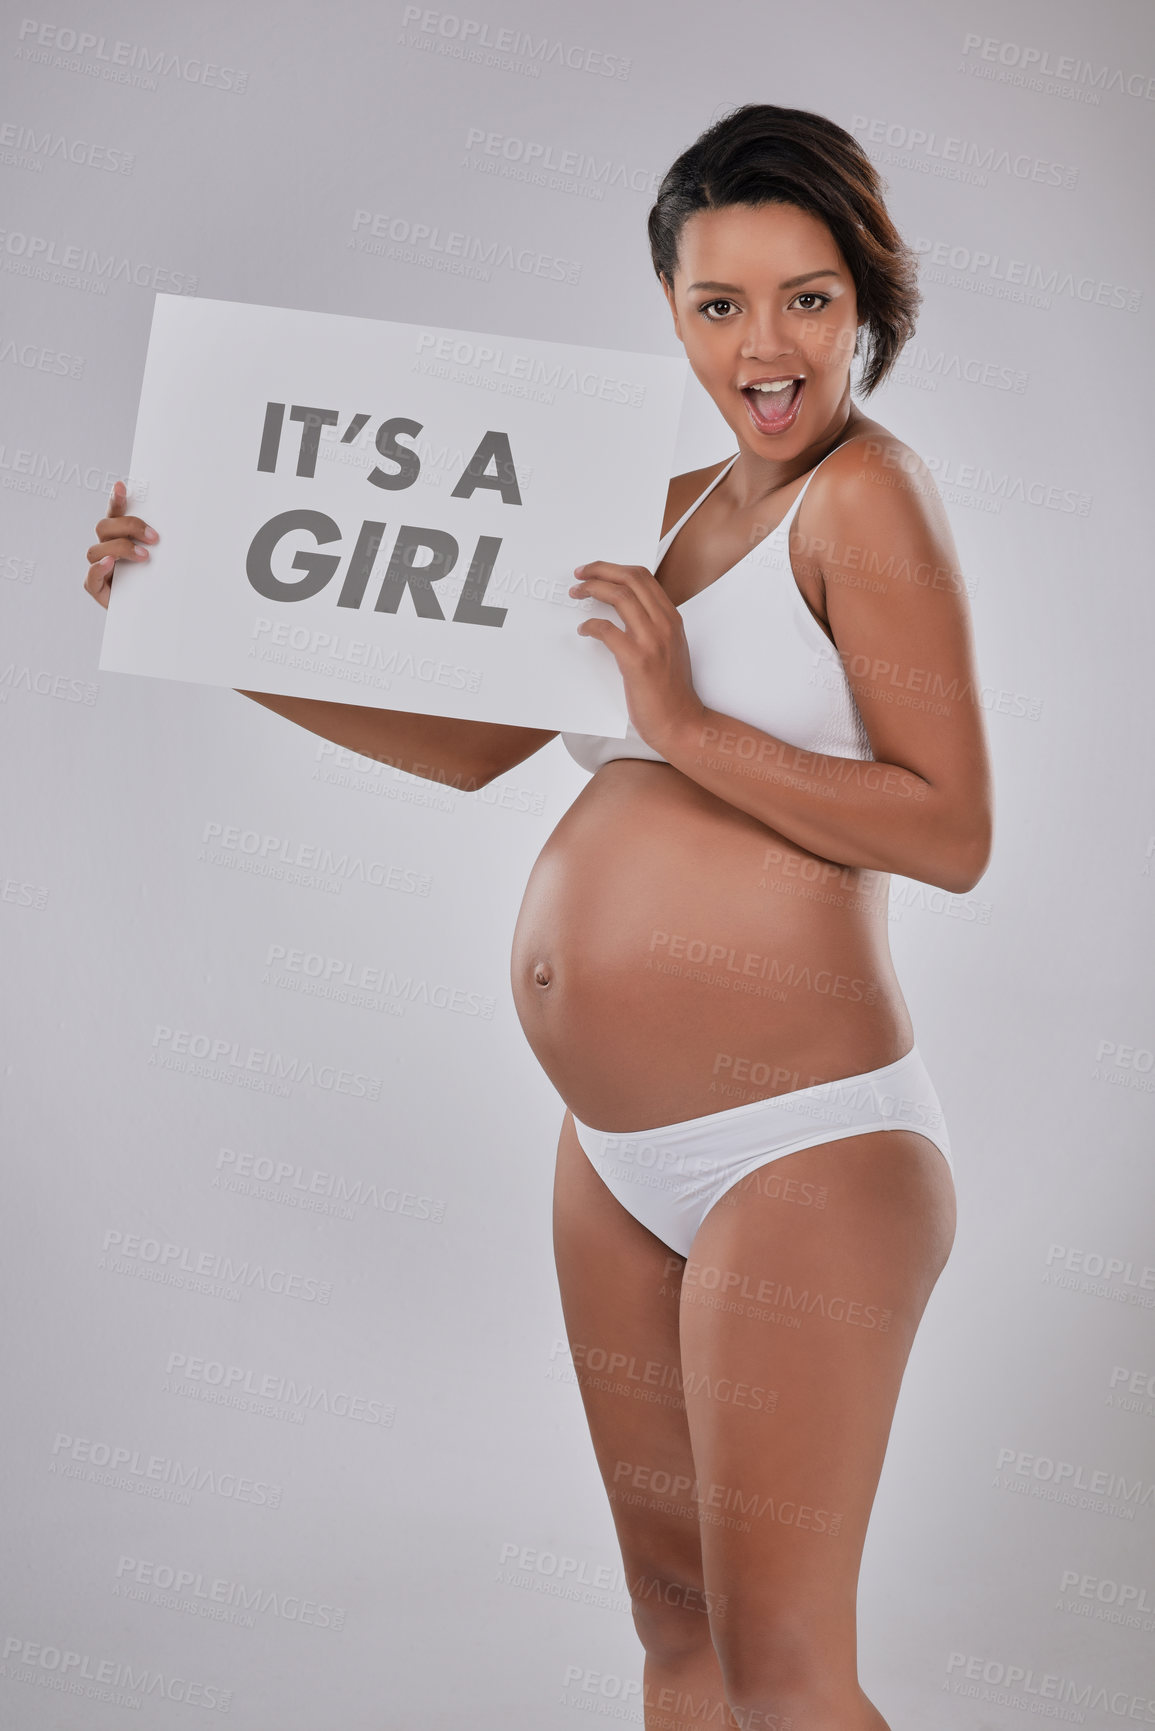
(752,1628)
(747,1620)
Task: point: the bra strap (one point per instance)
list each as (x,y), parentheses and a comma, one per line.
(664,543)
(793,511)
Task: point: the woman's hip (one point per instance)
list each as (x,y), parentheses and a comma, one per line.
(670,1175)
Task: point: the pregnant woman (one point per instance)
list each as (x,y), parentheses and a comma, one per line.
(754,1192)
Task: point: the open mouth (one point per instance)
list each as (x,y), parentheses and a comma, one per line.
(773,403)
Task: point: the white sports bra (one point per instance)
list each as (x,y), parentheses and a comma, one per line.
(757,653)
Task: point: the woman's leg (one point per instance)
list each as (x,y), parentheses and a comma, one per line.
(619,1293)
(813,1289)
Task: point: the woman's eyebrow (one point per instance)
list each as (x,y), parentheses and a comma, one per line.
(791,282)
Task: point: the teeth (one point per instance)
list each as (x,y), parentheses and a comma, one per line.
(778,385)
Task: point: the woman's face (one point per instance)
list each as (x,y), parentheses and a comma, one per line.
(762,294)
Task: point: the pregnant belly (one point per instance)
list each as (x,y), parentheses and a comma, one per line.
(674,956)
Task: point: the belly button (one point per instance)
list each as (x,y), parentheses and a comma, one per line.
(542,975)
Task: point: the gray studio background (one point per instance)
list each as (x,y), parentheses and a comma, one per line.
(353,1486)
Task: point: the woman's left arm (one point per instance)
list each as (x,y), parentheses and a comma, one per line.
(899,615)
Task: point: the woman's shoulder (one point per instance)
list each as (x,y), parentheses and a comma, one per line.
(872,484)
(870,455)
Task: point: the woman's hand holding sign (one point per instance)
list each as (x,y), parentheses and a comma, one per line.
(649,646)
(117,537)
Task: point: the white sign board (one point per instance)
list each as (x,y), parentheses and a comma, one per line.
(388,514)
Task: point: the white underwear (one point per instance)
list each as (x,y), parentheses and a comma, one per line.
(670,1177)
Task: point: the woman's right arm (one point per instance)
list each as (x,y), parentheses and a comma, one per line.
(464,754)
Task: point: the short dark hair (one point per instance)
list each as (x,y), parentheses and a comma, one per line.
(758,154)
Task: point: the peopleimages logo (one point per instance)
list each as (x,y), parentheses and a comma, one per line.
(127,1468)
(1032,65)
(176,1587)
(480,358)
(117,61)
(123,1248)
(221,1059)
(1073,1482)
(229,842)
(503,45)
(550,164)
(25,468)
(120,1682)
(363,982)
(39,254)
(989,273)
(943,153)
(1102,1265)
(321,1192)
(389,235)
(36,357)
(1126,1604)
(1028,1688)
(22,146)
(927,366)
(189,1373)
(45,683)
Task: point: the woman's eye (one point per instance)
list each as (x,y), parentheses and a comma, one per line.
(815,301)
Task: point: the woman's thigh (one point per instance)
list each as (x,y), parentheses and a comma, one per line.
(620,1289)
(808,1279)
